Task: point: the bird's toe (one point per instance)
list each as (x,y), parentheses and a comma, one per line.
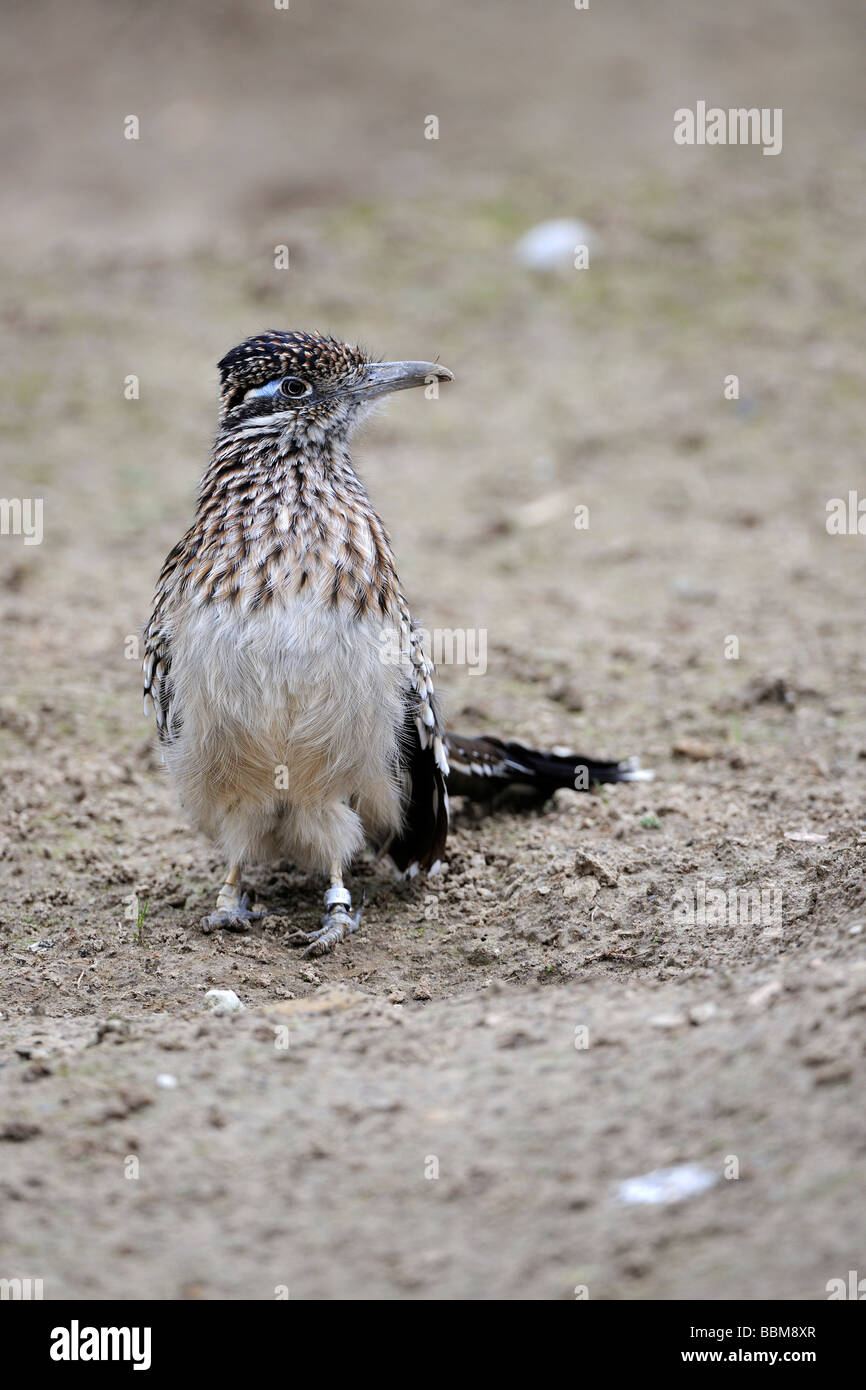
(337,923)
(235,917)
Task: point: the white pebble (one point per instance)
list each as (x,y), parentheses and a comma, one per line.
(551,245)
(166,1080)
(666,1185)
(222,1001)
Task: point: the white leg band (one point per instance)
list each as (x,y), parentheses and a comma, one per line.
(337,894)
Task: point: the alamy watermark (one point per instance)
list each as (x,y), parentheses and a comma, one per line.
(21,1289)
(442,646)
(853,1288)
(22,516)
(704,906)
(740,125)
(846,517)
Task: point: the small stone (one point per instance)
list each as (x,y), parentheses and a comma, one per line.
(478,953)
(422,989)
(116,1029)
(666,1185)
(123,1105)
(764,994)
(566,693)
(696,749)
(222,1001)
(553,245)
(589,864)
(690,590)
(833,1075)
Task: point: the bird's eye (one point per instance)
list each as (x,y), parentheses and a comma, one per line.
(295,387)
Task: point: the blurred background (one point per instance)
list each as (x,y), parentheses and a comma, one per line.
(601,387)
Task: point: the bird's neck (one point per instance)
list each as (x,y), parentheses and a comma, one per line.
(277,518)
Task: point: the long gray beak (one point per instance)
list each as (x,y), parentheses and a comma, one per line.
(384,377)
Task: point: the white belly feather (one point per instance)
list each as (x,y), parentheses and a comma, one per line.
(286,714)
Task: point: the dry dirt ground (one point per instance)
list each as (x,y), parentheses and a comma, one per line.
(543,1022)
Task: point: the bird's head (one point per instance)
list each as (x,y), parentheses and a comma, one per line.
(307,385)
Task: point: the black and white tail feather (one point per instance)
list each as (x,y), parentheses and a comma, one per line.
(482,767)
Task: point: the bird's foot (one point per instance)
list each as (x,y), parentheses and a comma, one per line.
(337,922)
(233,916)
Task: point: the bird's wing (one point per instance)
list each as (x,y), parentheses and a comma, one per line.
(157,679)
(158,685)
(421,842)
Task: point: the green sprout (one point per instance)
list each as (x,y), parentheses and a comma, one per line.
(139,922)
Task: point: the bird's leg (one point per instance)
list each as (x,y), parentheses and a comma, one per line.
(232,906)
(229,894)
(338,919)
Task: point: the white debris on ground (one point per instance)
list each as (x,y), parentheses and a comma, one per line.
(222,1001)
(554,245)
(665,1185)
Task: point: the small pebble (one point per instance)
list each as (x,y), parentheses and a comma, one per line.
(696,749)
(222,1001)
(551,245)
(765,993)
(668,1020)
(666,1185)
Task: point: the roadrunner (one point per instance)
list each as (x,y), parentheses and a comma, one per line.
(292,694)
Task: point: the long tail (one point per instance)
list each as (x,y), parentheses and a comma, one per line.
(482,767)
